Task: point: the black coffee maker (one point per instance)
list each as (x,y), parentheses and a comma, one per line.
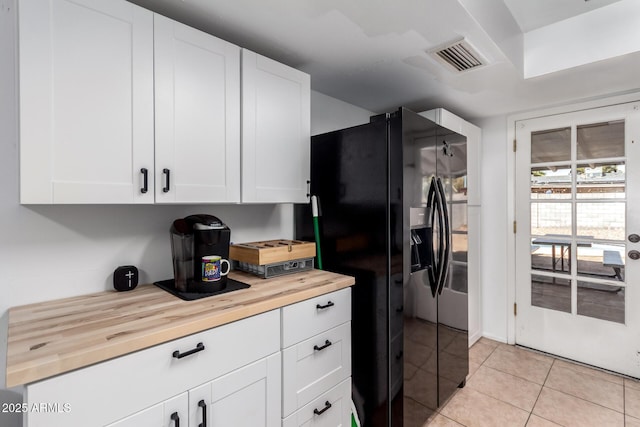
(192,238)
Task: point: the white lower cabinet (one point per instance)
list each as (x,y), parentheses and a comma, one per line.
(246,397)
(289,367)
(331,409)
(314,366)
(126,386)
(316,361)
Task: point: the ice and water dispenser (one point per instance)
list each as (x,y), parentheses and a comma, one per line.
(420,238)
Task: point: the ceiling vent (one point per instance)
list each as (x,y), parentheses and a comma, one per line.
(458,56)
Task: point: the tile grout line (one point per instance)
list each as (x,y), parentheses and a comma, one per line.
(439,410)
(589,401)
(553,362)
(518,376)
(624,403)
(576,363)
(569,366)
(495,398)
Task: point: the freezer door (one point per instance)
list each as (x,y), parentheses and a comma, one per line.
(453,339)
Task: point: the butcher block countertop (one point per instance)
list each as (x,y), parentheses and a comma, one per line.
(54,337)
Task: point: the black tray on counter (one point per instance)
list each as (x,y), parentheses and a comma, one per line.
(231,285)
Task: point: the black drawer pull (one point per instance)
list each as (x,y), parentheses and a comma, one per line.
(203,405)
(399,355)
(327,305)
(176,419)
(145,183)
(400,309)
(327,406)
(179,355)
(327,343)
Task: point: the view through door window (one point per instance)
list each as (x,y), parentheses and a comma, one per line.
(578,205)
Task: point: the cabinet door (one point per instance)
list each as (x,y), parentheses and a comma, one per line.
(197,106)
(86,101)
(246,397)
(276,131)
(171,413)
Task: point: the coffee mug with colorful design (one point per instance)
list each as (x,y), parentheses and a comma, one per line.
(211,268)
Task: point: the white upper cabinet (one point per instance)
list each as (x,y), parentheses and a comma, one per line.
(276,131)
(121,105)
(86,102)
(197,107)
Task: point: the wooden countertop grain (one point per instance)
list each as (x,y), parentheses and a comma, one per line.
(50,338)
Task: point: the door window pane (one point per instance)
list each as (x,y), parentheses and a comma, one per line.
(601,220)
(551,253)
(551,182)
(601,301)
(553,145)
(550,218)
(600,140)
(601,181)
(601,260)
(551,292)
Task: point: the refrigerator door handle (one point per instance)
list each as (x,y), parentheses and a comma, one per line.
(445,236)
(433,270)
(441,232)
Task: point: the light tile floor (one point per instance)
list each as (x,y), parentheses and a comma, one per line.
(513,387)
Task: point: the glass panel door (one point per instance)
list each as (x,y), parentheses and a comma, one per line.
(572,279)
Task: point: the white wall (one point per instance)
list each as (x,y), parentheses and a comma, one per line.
(328,114)
(50,252)
(494,184)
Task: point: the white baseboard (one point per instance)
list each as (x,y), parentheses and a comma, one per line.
(495,338)
(474,336)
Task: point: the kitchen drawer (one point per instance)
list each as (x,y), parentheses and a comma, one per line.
(337,415)
(307,318)
(110,390)
(309,370)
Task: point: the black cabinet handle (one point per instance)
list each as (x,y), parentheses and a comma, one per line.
(176,419)
(327,406)
(308,188)
(203,405)
(327,305)
(399,355)
(167,172)
(327,343)
(400,309)
(179,355)
(145,180)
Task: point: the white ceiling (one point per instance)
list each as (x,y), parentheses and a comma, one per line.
(373,53)
(533,14)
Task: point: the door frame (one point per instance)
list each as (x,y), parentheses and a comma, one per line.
(511,187)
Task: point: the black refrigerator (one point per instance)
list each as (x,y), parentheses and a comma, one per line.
(393,204)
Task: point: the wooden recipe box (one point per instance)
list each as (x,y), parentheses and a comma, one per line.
(271,251)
